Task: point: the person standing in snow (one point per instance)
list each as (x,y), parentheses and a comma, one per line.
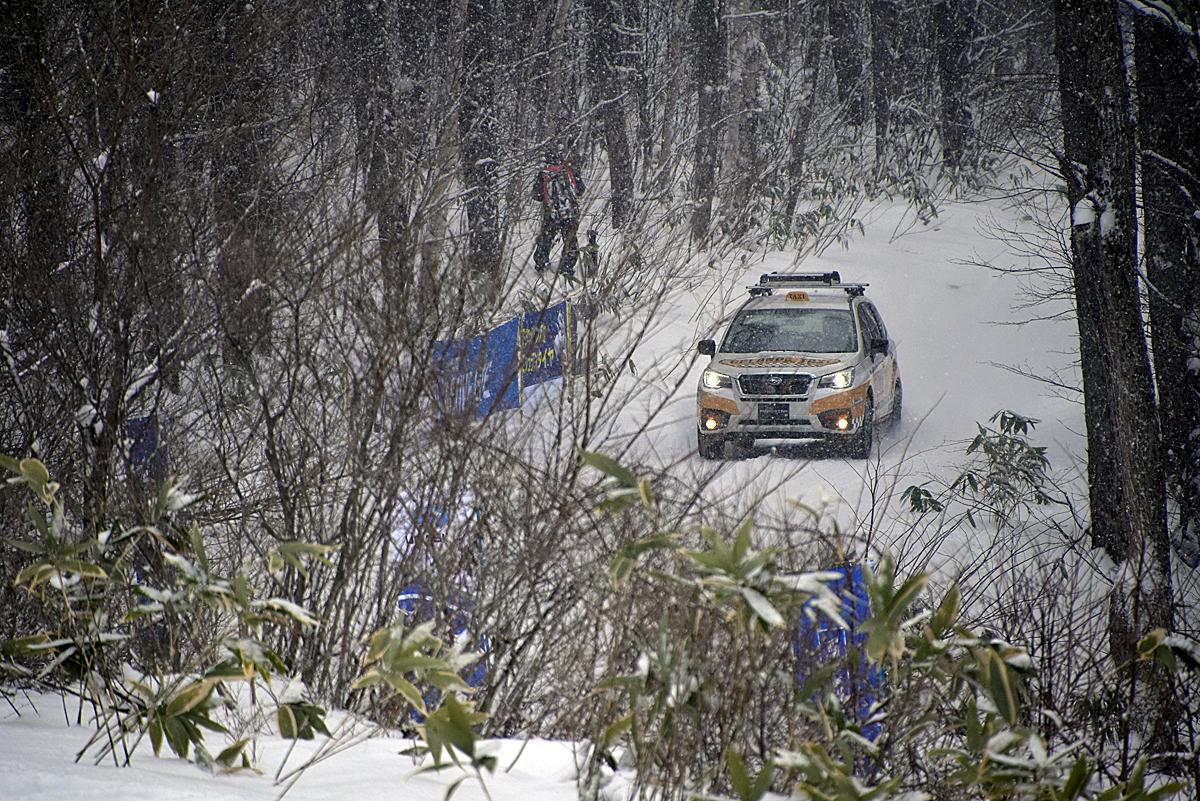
(558,188)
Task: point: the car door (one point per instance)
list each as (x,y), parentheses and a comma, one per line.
(883,379)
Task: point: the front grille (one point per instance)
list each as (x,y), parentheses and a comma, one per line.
(775,384)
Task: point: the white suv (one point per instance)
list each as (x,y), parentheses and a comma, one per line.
(806,357)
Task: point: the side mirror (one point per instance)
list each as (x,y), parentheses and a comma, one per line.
(707,347)
(879,346)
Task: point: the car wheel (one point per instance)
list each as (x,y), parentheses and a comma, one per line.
(860,446)
(897,406)
(711,447)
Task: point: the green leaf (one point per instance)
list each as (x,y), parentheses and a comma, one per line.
(453,787)
(907,593)
(1077,781)
(407,690)
(1001,688)
(741,540)
(10,464)
(609,467)
(232,752)
(156,736)
(646,494)
(614,730)
(626,559)
(763,782)
(460,734)
(735,766)
(177,736)
(34,472)
(619,500)
(85,569)
(188,698)
(197,541)
(947,612)
(1150,643)
(762,607)
(289,728)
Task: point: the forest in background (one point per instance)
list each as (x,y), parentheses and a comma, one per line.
(249,223)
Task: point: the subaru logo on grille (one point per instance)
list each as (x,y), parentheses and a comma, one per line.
(775,380)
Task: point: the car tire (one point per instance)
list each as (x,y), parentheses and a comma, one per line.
(897,406)
(860,446)
(711,448)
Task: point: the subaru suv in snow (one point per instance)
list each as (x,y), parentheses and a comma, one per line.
(805,358)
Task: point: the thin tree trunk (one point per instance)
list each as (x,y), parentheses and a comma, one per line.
(377,116)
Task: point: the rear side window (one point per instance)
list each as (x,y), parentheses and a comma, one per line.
(874,313)
(869,324)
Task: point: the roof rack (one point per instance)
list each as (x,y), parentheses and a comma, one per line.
(827,279)
(768,281)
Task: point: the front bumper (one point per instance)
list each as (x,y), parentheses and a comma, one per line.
(824,414)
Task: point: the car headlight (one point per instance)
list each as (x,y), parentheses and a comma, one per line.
(714,380)
(839,380)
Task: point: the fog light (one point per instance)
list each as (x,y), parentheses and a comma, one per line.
(836,419)
(712,419)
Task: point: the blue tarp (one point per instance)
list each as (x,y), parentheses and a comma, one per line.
(857,683)
(418,607)
(147,453)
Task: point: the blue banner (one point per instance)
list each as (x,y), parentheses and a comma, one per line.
(501,386)
(545,344)
(478,375)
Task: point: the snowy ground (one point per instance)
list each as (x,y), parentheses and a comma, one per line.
(950,320)
(37,751)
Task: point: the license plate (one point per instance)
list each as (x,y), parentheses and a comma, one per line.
(773,413)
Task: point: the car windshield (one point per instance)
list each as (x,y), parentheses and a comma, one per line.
(807,330)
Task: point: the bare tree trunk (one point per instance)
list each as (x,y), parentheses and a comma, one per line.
(243,191)
(884,19)
(709,33)
(378,115)
(747,103)
(1124,460)
(952,23)
(477,131)
(1168,84)
(602,54)
(847,57)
